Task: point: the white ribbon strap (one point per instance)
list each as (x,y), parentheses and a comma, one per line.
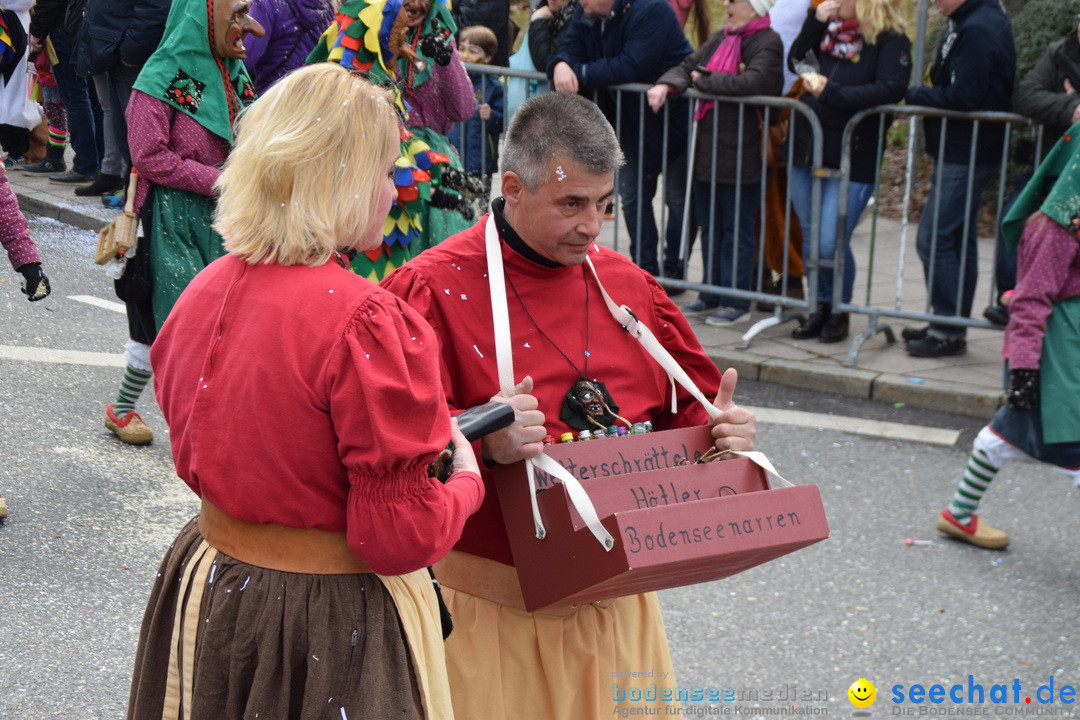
(759,459)
(500,313)
(578,497)
(625,317)
(504,358)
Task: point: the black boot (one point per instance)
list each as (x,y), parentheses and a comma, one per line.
(103,184)
(836,329)
(53,162)
(814,323)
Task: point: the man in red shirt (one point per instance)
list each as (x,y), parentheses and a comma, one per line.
(558,175)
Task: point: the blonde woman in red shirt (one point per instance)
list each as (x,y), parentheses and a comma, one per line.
(304,406)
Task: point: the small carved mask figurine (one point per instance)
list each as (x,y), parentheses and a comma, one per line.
(587,405)
(589,396)
(232,22)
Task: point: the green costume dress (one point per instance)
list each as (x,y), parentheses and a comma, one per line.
(186,74)
(427,210)
(1054,190)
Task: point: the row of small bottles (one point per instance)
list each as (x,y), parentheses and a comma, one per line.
(600,433)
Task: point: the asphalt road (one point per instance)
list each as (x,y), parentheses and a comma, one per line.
(91,519)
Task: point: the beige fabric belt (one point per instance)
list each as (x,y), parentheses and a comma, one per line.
(276,547)
(494,581)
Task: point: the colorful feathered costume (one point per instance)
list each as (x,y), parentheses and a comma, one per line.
(370,37)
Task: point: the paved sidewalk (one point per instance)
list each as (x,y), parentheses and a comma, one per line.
(969,384)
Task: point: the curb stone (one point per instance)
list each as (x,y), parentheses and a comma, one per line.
(942,395)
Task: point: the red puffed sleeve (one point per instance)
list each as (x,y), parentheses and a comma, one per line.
(390,417)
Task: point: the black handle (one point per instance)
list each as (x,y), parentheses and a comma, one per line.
(481,420)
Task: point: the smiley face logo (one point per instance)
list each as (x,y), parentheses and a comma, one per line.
(862,693)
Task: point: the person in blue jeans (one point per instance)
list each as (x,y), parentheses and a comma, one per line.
(827,325)
(745,57)
(974,70)
(477,139)
(947,242)
(864,60)
(75,94)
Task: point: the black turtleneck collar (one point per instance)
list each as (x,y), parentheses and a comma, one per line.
(510,237)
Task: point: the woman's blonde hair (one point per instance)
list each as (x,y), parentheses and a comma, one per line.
(304,177)
(878,16)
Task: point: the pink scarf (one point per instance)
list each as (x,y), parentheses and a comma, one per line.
(727,56)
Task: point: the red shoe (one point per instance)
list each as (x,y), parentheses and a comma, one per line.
(131,429)
(974,531)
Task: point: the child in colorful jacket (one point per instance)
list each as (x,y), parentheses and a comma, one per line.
(477,139)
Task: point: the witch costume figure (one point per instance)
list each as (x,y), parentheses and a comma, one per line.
(407,46)
(180,130)
(1041,418)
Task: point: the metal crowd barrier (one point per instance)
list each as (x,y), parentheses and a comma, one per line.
(883,250)
(675,181)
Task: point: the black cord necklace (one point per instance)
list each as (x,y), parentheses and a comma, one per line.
(581,375)
(587,405)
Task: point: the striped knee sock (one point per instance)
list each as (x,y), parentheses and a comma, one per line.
(978,475)
(131,387)
(57,136)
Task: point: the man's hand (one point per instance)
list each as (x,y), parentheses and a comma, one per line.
(565,78)
(542,13)
(485,111)
(734,428)
(657,96)
(525,437)
(35,44)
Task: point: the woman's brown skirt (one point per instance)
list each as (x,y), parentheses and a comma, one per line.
(225,640)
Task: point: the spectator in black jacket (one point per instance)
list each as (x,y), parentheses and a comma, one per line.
(864,59)
(47,21)
(1048,93)
(975,69)
(547,26)
(744,57)
(117,38)
(610,43)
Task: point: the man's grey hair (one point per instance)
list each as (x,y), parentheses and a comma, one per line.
(564,124)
